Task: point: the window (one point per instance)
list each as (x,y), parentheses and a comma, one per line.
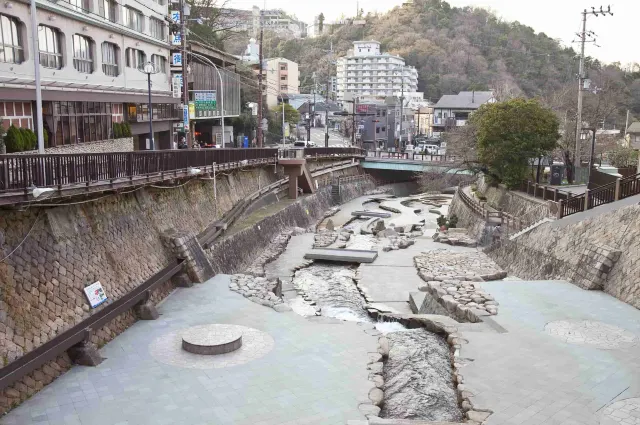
(79,122)
(384,128)
(80,4)
(156,28)
(49,45)
(160,62)
(107,9)
(82,57)
(135,58)
(110,59)
(283,88)
(132,18)
(11,49)
(283,67)
(283,78)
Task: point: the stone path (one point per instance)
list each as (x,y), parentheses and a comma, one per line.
(535,372)
(297,371)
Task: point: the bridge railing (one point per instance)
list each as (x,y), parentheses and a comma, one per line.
(21,172)
(414,156)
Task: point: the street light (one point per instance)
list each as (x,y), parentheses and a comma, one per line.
(150,68)
(206,59)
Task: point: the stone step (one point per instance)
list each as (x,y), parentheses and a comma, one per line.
(415,301)
(342,255)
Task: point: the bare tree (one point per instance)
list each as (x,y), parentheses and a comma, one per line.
(218,23)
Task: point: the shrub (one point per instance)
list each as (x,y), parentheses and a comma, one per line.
(29,139)
(14,140)
(453,221)
(442,221)
(126,129)
(117,130)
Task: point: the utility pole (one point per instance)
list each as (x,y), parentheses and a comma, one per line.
(185,76)
(326,117)
(260,95)
(309,121)
(581,74)
(401,108)
(626,126)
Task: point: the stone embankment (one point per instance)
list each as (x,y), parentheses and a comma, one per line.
(452,284)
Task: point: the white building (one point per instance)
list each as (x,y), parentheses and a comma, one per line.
(90,53)
(367,71)
(281,77)
(279,22)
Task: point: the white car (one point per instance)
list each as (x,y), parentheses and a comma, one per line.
(408,149)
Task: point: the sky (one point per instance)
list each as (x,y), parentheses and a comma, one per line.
(618,35)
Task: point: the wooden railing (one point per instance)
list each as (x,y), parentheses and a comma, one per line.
(619,189)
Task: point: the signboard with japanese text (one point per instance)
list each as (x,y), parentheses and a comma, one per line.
(192,110)
(205,103)
(362,109)
(176,87)
(176,39)
(176,59)
(185,116)
(175,16)
(95,294)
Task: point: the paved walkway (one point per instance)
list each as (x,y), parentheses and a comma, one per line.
(528,376)
(315,373)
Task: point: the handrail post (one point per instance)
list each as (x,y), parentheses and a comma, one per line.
(586,200)
(555,194)
(528,186)
(535,190)
(559,212)
(616,196)
(544,193)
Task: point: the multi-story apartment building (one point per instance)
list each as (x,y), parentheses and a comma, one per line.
(282,77)
(277,21)
(90,53)
(367,71)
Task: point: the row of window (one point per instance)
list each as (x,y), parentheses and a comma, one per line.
(50,50)
(130,17)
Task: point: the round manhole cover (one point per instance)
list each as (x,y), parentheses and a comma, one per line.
(168,348)
(591,333)
(625,412)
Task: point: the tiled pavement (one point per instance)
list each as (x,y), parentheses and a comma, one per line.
(528,377)
(315,373)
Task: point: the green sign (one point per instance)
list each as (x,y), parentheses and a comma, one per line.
(205,103)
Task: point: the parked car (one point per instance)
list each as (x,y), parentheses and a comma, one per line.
(408,149)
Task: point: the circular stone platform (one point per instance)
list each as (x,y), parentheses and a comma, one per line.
(167,349)
(211,339)
(623,412)
(591,333)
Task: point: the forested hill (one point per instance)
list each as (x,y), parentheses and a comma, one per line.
(453,49)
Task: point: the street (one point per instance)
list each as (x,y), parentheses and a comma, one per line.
(335,138)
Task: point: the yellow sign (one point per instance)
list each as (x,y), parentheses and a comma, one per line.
(286,130)
(192,110)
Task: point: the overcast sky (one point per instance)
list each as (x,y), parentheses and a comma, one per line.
(618,35)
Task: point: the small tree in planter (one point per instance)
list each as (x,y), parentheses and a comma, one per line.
(445,223)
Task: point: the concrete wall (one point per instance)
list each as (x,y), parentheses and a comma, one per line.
(512,202)
(597,252)
(467,218)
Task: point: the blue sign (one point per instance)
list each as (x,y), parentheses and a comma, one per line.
(176,59)
(185,117)
(246,142)
(176,39)
(175,16)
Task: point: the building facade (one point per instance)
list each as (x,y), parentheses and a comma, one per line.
(367,71)
(453,110)
(90,53)
(281,78)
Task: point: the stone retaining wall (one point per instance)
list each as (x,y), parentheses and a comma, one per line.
(467,218)
(117,240)
(601,252)
(513,202)
(112,145)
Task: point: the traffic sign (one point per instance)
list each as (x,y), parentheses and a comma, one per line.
(205,103)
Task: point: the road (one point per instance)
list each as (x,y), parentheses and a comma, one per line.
(335,138)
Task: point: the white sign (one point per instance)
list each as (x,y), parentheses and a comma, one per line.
(176,59)
(95,294)
(176,86)
(176,39)
(175,16)
(185,116)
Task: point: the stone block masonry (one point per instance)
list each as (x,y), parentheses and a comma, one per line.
(602,251)
(117,240)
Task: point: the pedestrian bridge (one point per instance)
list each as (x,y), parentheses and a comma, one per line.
(414,163)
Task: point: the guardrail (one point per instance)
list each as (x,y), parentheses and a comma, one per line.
(80,332)
(510,221)
(413,156)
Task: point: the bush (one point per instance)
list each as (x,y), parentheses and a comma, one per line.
(14,140)
(117,130)
(442,221)
(453,221)
(29,138)
(126,129)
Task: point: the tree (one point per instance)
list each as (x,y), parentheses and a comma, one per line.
(511,133)
(291,114)
(218,22)
(320,22)
(14,140)
(622,156)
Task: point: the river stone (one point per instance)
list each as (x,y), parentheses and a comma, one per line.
(330,225)
(418,378)
(383,346)
(378,381)
(281,308)
(375,357)
(376,367)
(376,395)
(369,410)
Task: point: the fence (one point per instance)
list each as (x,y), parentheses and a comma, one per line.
(21,172)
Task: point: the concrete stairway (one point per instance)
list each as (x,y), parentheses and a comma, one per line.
(530,228)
